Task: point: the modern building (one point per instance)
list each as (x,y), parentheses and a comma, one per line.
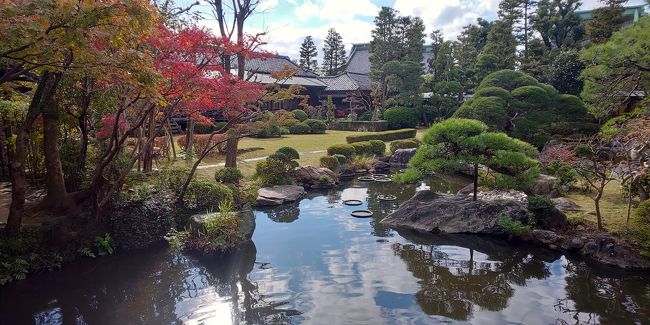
(631,14)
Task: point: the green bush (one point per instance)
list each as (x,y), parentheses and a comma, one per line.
(291,153)
(299,128)
(244,195)
(346,150)
(403,144)
(203,193)
(341,158)
(545,212)
(489,110)
(299,115)
(401,117)
(228,175)
(204,129)
(275,170)
(507,79)
(566,174)
(171,179)
(268,130)
(362,148)
(383,136)
(316,126)
(378,147)
(409,176)
(513,227)
(329,162)
(641,222)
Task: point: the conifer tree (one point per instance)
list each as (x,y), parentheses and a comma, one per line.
(334,56)
(308,53)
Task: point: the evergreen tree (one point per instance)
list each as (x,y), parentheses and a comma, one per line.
(414,46)
(557,23)
(385,42)
(518,13)
(334,56)
(471,42)
(605,21)
(502,44)
(308,53)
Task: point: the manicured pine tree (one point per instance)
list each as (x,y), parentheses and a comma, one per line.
(334,56)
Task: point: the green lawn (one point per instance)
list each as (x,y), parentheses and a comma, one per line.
(613,207)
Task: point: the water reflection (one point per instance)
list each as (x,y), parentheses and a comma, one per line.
(311,262)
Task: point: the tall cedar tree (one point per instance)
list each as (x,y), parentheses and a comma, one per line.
(502,44)
(334,56)
(518,13)
(308,53)
(605,21)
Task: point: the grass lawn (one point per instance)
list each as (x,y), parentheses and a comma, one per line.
(310,146)
(613,207)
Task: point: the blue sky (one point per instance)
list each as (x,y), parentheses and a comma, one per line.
(287,22)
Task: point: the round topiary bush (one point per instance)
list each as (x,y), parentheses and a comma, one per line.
(202,193)
(341,158)
(299,128)
(228,175)
(378,147)
(300,115)
(401,117)
(291,153)
(329,162)
(346,150)
(403,144)
(363,148)
(316,126)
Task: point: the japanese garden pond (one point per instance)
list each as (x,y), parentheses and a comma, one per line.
(311,262)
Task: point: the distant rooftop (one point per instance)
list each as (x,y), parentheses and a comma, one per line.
(359,60)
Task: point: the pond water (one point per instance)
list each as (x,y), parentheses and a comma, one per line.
(313,263)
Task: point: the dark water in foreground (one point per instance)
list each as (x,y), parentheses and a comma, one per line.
(312,263)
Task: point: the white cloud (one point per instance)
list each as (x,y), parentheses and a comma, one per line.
(335,10)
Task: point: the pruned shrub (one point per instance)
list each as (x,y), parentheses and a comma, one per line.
(378,147)
(409,176)
(403,144)
(228,175)
(275,170)
(383,136)
(329,162)
(401,117)
(316,126)
(299,115)
(299,128)
(545,212)
(362,148)
(641,222)
(202,193)
(291,153)
(360,162)
(346,150)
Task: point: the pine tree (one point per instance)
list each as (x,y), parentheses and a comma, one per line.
(385,41)
(502,44)
(308,53)
(334,56)
(414,42)
(557,23)
(518,14)
(605,21)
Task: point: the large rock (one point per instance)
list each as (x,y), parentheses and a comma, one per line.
(609,251)
(401,157)
(278,195)
(545,185)
(139,224)
(380,166)
(566,205)
(427,211)
(346,173)
(246,224)
(314,177)
(546,237)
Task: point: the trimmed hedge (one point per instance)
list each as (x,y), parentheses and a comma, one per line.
(378,147)
(401,117)
(346,150)
(403,144)
(329,162)
(291,153)
(383,136)
(228,175)
(316,126)
(299,128)
(300,115)
(363,148)
(359,126)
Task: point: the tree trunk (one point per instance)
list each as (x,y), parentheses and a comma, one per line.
(147,162)
(189,144)
(18,183)
(231,152)
(171,138)
(4,158)
(54,180)
(599,217)
(475,196)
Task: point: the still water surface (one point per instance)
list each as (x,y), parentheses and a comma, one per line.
(313,263)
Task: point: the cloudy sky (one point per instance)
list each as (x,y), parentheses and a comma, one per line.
(287,22)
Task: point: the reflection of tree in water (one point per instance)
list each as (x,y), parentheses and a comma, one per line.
(285,213)
(147,288)
(602,297)
(452,286)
